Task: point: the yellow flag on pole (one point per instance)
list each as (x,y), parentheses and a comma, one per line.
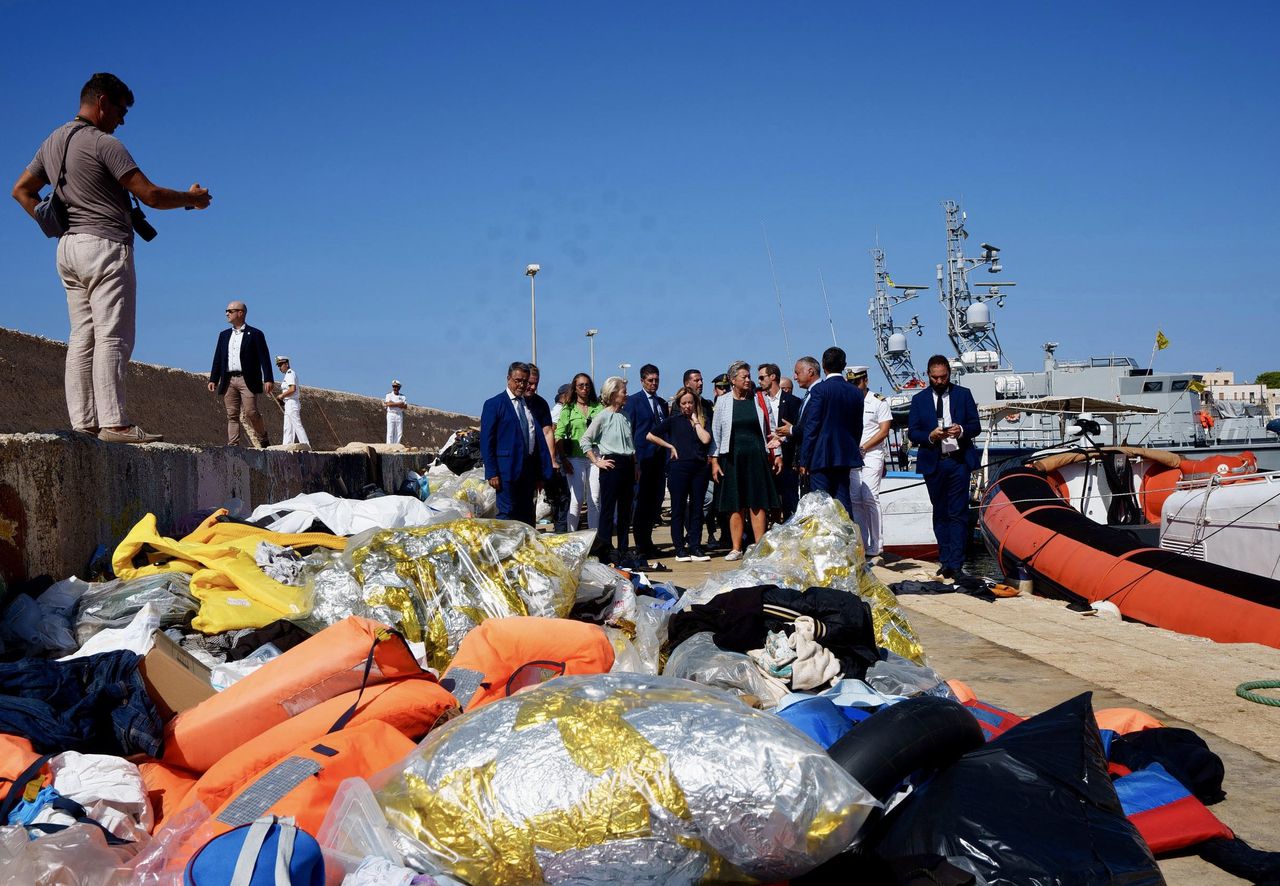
(1196,385)
(888,280)
(1161,341)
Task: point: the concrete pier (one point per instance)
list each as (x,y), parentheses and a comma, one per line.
(63,494)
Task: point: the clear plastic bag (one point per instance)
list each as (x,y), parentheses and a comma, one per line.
(113,604)
(699,659)
(162,861)
(223,675)
(900,676)
(436,583)
(470,488)
(591,778)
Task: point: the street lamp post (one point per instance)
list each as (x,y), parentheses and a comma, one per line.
(591,343)
(532,271)
(624,367)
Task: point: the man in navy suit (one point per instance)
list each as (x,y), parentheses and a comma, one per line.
(514,449)
(241,370)
(830,431)
(644,409)
(943,422)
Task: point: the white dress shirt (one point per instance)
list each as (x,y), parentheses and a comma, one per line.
(949,444)
(233,350)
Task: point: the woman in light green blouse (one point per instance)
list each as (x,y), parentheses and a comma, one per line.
(610,447)
(583,477)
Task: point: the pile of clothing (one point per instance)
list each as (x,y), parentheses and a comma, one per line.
(467,701)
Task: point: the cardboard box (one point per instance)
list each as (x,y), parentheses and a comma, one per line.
(175,679)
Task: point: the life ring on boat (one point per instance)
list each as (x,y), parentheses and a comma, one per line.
(1206,419)
(925,732)
(1013,418)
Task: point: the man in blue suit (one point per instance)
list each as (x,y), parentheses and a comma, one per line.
(514,449)
(943,422)
(830,431)
(645,409)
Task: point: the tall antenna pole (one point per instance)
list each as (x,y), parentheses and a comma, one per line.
(786,339)
(831,322)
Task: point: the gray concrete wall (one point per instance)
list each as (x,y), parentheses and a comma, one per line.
(61,495)
(177,403)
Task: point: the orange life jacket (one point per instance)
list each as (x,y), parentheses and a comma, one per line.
(411,706)
(303,783)
(332,662)
(504,655)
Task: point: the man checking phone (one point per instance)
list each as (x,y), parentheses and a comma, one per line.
(93,175)
(943,422)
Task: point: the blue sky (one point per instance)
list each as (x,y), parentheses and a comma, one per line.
(383,173)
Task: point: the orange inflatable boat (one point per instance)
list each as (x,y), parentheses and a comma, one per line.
(1027,523)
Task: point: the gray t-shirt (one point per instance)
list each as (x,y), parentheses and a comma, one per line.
(96,201)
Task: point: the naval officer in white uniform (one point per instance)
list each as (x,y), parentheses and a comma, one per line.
(864,482)
(395,404)
(291,398)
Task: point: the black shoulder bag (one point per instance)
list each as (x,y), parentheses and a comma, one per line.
(51,212)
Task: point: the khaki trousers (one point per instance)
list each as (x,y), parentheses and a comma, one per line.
(102,291)
(237,398)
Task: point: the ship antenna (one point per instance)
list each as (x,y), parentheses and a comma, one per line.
(831,322)
(786,339)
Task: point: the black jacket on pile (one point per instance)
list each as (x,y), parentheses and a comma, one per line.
(739,621)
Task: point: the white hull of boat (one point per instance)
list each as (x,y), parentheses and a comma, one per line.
(907,516)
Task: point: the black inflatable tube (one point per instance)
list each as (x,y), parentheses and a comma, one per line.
(919,733)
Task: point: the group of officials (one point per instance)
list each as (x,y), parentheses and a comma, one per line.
(834,440)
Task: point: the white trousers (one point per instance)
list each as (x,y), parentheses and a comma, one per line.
(395,425)
(864,493)
(102,291)
(293,431)
(584,482)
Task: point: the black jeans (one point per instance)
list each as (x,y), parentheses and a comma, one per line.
(616,485)
(788,485)
(653,477)
(687,479)
(556,491)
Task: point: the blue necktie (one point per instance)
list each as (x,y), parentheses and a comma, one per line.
(524,422)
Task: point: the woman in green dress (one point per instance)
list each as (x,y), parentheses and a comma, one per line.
(740,460)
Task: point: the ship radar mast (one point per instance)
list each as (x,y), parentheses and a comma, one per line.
(892,352)
(969,324)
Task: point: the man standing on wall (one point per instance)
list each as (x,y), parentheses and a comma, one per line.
(291,398)
(93,175)
(395,404)
(242,370)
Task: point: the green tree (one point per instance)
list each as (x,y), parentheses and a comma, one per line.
(1270,379)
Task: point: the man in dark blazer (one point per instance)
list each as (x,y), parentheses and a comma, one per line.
(645,409)
(784,409)
(943,422)
(830,431)
(788,481)
(242,370)
(514,448)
